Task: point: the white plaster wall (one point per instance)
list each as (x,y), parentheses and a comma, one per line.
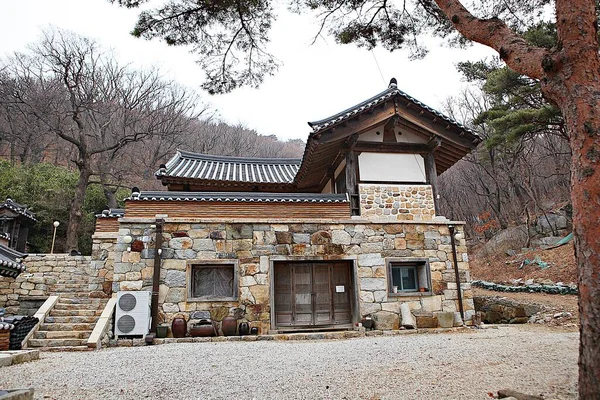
(388,167)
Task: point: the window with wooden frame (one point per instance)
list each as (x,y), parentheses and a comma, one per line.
(212,281)
(408,276)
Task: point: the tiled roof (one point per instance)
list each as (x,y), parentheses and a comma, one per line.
(390,92)
(187,165)
(11,262)
(249,197)
(18,208)
(112,213)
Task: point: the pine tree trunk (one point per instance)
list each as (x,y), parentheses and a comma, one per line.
(76,211)
(583,120)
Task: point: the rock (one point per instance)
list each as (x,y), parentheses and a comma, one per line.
(372,284)
(458,319)
(426,320)
(549,222)
(131,285)
(370,260)
(386,320)
(247,281)
(445,319)
(341,237)
(431,303)
(181,243)
(408,321)
(203,245)
(175,295)
(175,278)
(507,239)
(170,308)
(321,237)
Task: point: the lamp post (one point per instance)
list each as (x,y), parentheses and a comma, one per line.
(56,224)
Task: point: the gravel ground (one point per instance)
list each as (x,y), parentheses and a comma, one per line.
(531,359)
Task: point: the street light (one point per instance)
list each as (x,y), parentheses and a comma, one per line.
(56,224)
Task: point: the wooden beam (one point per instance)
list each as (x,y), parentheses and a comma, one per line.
(436,128)
(389,134)
(431,175)
(351,181)
(434,143)
(359,126)
(382,147)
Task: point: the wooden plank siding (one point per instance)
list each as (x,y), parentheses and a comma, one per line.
(107,224)
(196,209)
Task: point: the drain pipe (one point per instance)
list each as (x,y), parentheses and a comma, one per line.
(453,243)
(156,273)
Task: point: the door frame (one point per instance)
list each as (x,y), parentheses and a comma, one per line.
(354,293)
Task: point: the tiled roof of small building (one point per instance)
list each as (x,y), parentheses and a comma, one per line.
(187,165)
(249,197)
(390,92)
(11,264)
(111,213)
(18,208)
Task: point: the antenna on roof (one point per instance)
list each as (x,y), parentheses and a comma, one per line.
(393,83)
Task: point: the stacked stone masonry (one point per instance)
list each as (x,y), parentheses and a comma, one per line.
(397,202)
(50,274)
(254,246)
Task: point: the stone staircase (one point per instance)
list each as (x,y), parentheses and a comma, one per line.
(70,322)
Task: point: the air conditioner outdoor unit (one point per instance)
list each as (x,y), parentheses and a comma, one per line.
(132,316)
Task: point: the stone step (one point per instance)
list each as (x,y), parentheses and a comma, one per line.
(56,342)
(61,326)
(66,348)
(62,334)
(79,313)
(79,300)
(75,306)
(75,319)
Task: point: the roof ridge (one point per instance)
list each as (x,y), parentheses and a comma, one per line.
(248,160)
(391,91)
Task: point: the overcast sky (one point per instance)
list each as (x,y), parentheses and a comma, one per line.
(315,81)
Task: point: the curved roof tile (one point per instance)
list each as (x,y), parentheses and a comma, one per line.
(188,165)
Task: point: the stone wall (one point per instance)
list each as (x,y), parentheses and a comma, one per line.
(255,245)
(397,202)
(48,274)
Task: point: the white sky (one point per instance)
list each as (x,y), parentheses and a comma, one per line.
(314,82)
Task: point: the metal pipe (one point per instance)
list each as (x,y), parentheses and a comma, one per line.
(156,273)
(452,242)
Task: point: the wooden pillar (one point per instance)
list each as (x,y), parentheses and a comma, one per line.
(431,175)
(351,182)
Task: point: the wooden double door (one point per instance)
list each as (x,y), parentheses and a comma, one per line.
(313,294)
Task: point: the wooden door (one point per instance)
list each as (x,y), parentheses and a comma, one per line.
(313,294)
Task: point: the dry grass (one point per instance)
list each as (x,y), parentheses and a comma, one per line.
(503,268)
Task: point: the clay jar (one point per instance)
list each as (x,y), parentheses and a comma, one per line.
(229,326)
(178,327)
(244,329)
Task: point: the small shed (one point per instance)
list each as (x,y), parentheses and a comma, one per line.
(11,262)
(15,221)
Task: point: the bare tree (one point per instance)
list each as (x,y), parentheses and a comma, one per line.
(96,105)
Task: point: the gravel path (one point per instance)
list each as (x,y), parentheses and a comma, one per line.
(531,359)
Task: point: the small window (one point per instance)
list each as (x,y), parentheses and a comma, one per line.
(407,277)
(212,282)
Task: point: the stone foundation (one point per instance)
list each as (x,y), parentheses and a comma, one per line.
(254,246)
